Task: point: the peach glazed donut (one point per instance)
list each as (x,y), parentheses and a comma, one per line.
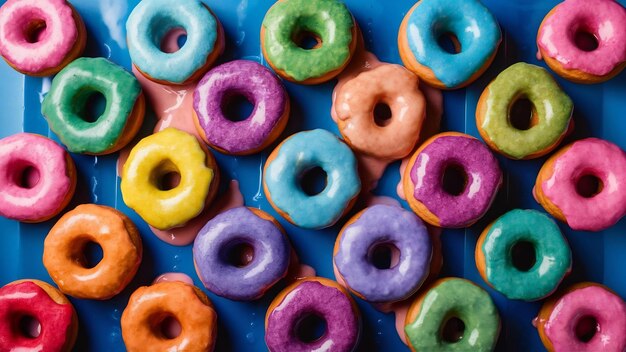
(64,258)
(584,41)
(25,302)
(149,309)
(40,37)
(37,178)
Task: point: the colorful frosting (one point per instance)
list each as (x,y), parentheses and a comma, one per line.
(255,82)
(151,20)
(299,153)
(552,252)
(552,106)
(240,225)
(384,224)
(605,19)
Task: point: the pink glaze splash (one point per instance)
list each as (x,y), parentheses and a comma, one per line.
(297,270)
(170,277)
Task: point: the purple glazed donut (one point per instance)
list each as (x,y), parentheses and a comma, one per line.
(260,87)
(241,279)
(423,180)
(319,297)
(383,225)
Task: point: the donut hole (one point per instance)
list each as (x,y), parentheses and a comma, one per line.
(90,254)
(449,42)
(522,114)
(236,107)
(173,40)
(34,31)
(26,177)
(382,114)
(306,39)
(166,176)
(28,326)
(90,106)
(384,255)
(310,328)
(523,255)
(166,326)
(452,330)
(588,186)
(454,179)
(586,328)
(313,181)
(238,254)
(585,40)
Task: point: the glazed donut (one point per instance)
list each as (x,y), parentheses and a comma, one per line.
(152,159)
(556,188)
(151,21)
(247,280)
(561,317)
(494,255)
(449,298)
(354,103)
(383,225)
(65,261)
(551,113)
(604,20)
(37,178)
(260,87)
(424,173)
(149,307)
(319,297)
(34,299)
(289,21)
(473,29)
(64,106)
(40,37)
(296,155)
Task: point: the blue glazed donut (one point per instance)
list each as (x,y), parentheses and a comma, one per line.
(292,159)
(241,225)
(383,225)
(152,20)
(472,28)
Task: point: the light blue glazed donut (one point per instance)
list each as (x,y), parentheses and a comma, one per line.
(152,20)
(294,157)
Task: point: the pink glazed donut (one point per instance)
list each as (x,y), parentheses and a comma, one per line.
(37,178)
(40,37)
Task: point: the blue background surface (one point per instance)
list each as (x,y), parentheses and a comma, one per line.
(599,111)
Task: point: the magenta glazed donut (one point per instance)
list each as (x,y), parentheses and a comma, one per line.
(260,87)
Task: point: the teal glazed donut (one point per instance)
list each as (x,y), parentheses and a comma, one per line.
(473,29)
(152,20)
(494,255)
(292,159)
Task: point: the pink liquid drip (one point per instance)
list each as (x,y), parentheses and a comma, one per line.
(297,270)
(171,277)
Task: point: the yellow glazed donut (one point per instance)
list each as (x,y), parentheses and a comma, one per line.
(170,151)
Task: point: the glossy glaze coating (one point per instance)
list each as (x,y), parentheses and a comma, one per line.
(391,225)
(355,101)
(321,297)
(260,86)
(55,315)
(556,184)
(299,153)
(604,19)
(270,261)
(453,297)
(330,20)
(53,186)
(152,20)
(551,115)
(148,306)
(65,261)
(552,253)
(475,28)
(170,150)
(64,105)
(52,48)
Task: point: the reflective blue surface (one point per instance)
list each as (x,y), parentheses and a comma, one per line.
(599,111)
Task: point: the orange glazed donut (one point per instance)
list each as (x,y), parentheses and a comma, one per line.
(65,261)
(150,307)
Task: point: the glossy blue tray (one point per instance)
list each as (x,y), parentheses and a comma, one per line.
(599,112)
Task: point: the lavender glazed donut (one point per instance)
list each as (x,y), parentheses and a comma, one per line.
(382,225)
(314,296)
(246,279)
(424,175)
(260,87)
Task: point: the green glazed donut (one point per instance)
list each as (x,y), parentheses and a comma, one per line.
(329,21)
(64,106)
(452,298)
(494,255)
(552,112)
